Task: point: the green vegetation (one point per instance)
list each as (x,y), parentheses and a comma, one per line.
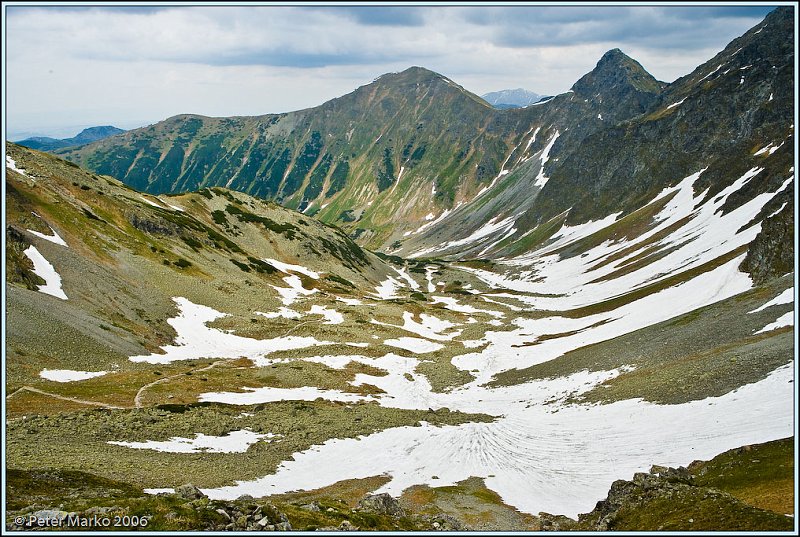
(288,230)
(386,173)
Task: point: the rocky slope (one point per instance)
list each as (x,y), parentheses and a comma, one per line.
(511,98)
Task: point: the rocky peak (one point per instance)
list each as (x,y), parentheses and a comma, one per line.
(617,75)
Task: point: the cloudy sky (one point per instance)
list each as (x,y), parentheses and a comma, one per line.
(72,67)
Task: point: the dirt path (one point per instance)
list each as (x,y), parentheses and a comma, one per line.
(62,397)
(137,401)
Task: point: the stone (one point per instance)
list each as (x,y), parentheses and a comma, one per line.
(382,504)
(189,492)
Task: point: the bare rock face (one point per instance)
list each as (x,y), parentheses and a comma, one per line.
(382,504)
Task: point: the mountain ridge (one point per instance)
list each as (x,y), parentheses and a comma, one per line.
(88,135)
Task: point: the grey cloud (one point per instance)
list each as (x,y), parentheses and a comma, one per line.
(663,27)
(379,15)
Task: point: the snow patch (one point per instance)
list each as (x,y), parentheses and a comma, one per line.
(786,297)
(673,105)
(288,267)
(11,164)
(195,340)
(46,271)
(787,319)
(69,375)
(414,344)
(331,316)
(54,238)
(283,311)
(233,442)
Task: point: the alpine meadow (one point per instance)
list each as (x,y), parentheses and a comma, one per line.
(414,308)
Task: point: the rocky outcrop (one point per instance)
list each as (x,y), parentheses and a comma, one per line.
(382,504)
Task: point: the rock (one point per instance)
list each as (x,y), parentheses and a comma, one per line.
(50,514)
(314,507)
(550,522)
(346,525)
(382,504)
(189,492)
(444,522)
(224,513)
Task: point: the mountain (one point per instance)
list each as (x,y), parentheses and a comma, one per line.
(91,134)
(511,98)
(541,303)
(378,161)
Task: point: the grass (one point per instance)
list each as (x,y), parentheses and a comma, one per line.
(760,475)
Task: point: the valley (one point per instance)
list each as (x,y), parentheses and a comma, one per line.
(492,316)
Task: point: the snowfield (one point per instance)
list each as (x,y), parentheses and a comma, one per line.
(541,452)
(540,460)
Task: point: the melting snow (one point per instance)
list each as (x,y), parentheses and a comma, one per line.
(431,327)
(289,295)
(676,104)
(10,163)
(407,277)
(283,311)
(711,73)
(452,304)
(541,453)
(778,211)
(173,207)
(429,270)
(288,267)
(255,396)
(195,340)
(533,138)
(68,375)
(147,201)
(414,344)
(787,297)
(769,149)
(490,227)
(787,319)
(46,271)
(331,316)
(233,442)
(54,238)
(386,290)
(350,301)
(537,459)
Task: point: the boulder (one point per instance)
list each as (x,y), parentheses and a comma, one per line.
(382,504)
(189,492)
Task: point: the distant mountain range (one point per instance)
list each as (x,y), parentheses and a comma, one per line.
(92,134)
(414,164)
(512,98)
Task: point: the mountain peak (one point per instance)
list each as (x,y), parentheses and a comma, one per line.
(412,74)
(614,54)
(616,72)
(619,77)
